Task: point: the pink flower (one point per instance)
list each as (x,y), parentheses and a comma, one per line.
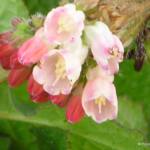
(99,72)
(57,72)
(99,100)
(33,49)
(74,111)
(106,47)
(64,23)
(77,48)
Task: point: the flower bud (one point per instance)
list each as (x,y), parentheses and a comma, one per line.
(18,76)
(6,46)
(33,87)
(74,111)
(15,21)
(33,49)
(42,97)
(5,62)
(36,91)
(37,20)
(14,62)
(59,100)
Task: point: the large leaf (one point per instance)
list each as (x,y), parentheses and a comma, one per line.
(48,124)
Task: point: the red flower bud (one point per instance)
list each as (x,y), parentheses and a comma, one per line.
(33,87)
(14,63)
(5,62)
(74,111)
(6,46)
(15,21)
(59,100)
(42,97)
(36,91)
(18,76)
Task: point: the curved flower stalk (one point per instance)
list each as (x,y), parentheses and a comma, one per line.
(55,61)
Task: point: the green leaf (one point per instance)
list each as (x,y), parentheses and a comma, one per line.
(10,9)
(4,143)
(48,124)
(135,86)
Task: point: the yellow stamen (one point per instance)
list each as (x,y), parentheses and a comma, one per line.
(60,71)
(114,52)
(65,24)
(101,101)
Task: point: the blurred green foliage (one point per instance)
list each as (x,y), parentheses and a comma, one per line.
(28,126)
(41,6)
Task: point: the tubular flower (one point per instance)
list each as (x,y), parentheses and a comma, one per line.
(106,47)
(99,100)
(18,76)
(6,45)
(74,111)
(14,62)
(5,62)
(33,49)
(64,23)
(57,72)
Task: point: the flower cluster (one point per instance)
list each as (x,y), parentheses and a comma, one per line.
(55,61)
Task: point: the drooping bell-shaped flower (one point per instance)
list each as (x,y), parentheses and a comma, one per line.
(99,100)
(107,49)
(64,23)
(57,72)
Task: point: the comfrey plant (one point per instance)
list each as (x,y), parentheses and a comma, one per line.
(67,60)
